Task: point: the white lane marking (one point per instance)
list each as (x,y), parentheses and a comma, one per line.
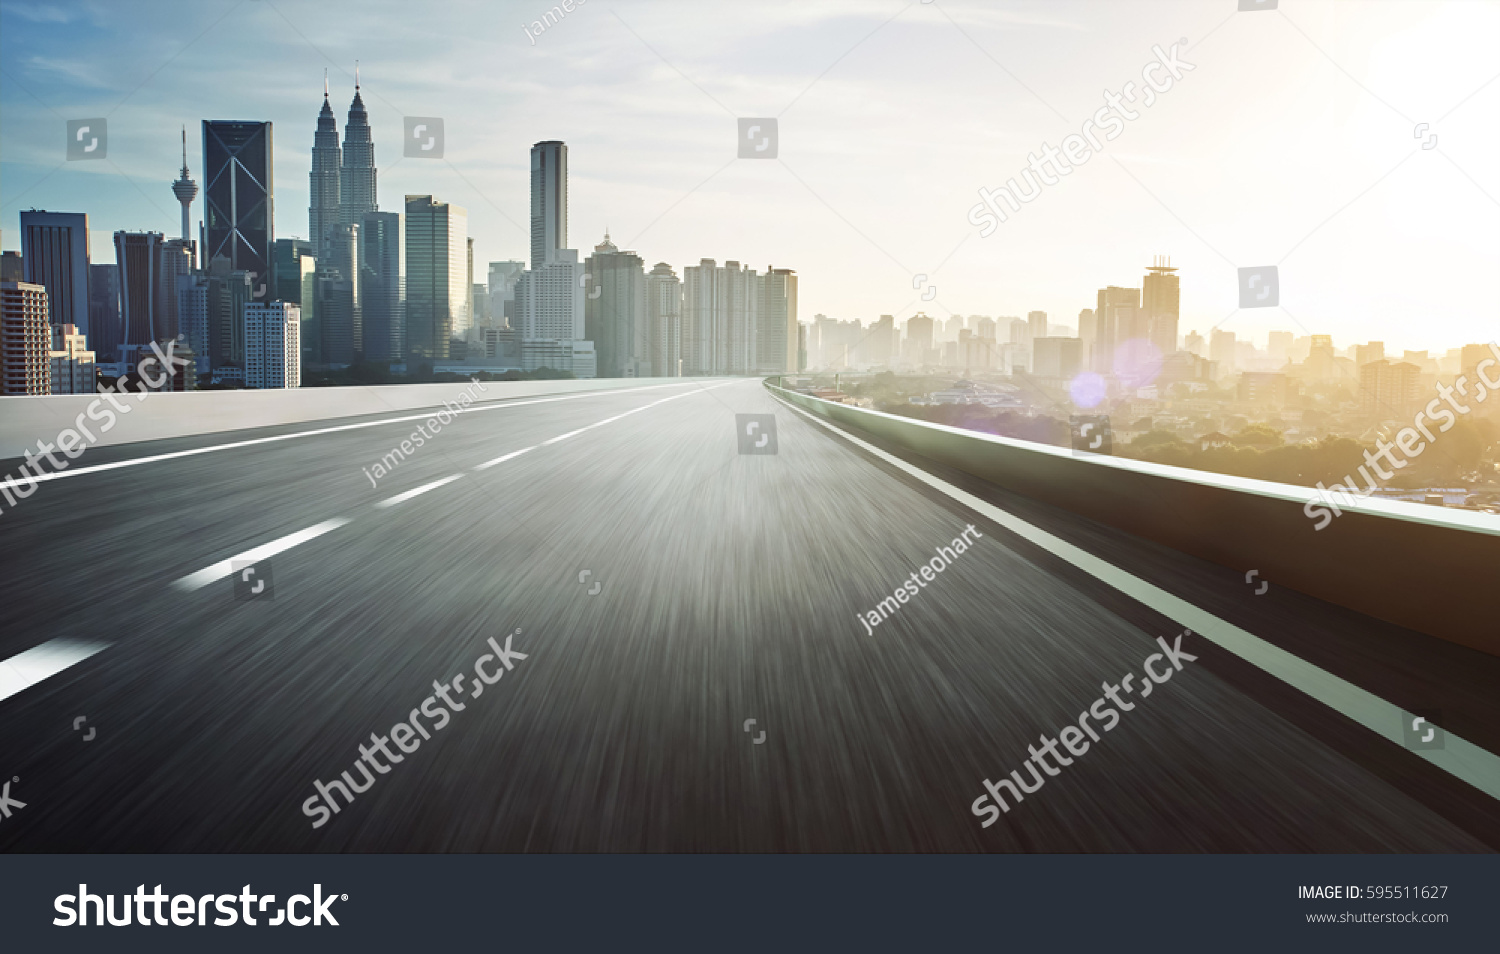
(223,568)
(13,482)
(505,457)
(50,658)
(563,437)
(1460,758)
(400,498)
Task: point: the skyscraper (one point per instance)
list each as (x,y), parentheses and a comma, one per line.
(436,272)
(25,339)
(1221,353)
(239,197)
(340,312)
(186,190)
(382,293)
(55,255)
(104,310)
(323,180)
(1160,298)
(549,201)
(776,322)
(919,339)
(664,314)
(139,257)
(1036,321)
(176,262)
(357,196)
(719,308)
(72,363)
(614,311)
(502,290)
(1114,324)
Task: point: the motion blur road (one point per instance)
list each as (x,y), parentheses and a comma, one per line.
(731,585)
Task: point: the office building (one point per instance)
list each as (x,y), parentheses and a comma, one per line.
(1115,316)
(502,292)
(549,201)
(273,351)
(1265,388)
(176,263)
(55,255)
(357,196)
(1161,297)
(71,362)
(1036,322)
(239,196)
(229,291)
(193,320)
(107,332)
(340,312)
(323,179)
(436,271)
(12,269)
(918,350)
(25,339)
(382,294)
(139,257)
(614,311)
(719,306)
(550,299)
(1221,351)
(664,318)
(776,324)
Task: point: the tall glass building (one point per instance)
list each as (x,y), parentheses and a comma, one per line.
(437,266)
(382,290)
(239,197)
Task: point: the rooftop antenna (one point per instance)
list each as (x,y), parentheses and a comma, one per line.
(356,74)
(325,82)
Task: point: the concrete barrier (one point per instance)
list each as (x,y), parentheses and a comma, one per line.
(156,416)
(1432,570)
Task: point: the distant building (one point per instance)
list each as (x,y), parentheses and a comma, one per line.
(549,201)
(106,331)
(1388,391)
(1265,389)
(55,255)
(25,339)
(664,316)
(72,363)
(502,291)
(323,179)
(273,351)
(357,193)
(382,292)
(1221,351)
(719,304)
(1057,357)
(1115,318)
(436,273)
(12,269)
(1036,323)
(776,323)
(1160,300)
(1367,353)
(615,318)
(142,308)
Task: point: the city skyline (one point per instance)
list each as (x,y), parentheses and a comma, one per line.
(1189,199)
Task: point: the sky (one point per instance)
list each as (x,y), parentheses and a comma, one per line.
(1295,140)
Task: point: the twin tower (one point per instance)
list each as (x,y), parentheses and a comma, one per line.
(342,186)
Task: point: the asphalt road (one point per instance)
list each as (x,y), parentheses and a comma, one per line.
(720,587)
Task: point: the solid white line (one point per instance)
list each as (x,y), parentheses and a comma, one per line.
(505,457)
(399,498)
(35,664)
(1460,758)
(223,568)
(13,482)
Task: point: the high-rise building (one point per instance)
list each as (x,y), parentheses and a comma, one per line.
(986,327)
(550,299)
(1194,344)
(1279,346)
(549,201)
(502,291)
(1087,333)
(468,288)
(1388,390)
(340,311)
(719,306)
(229,291)
(239,197)
(919,340)
(55,255)
(614,311)
(193,319)
(11,267)
(382,292)
(139,257)
(273,353)
(107,331)
(776,323)
(25,339)
(71,361)
(664,316)
(1114,323)
(436,269)
(1221,352)
(1020,332)
(186,190)
(323,179)
(357,195)
(294,278)
(1037,322)
(176,263)
(1161,296)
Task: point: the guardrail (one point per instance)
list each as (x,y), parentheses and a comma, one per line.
(1431,570)
(158,415)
